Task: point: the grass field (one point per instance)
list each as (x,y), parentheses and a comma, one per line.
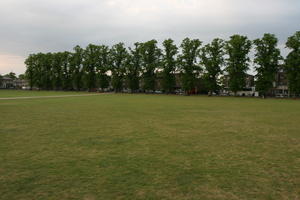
(28,93)
(115,146)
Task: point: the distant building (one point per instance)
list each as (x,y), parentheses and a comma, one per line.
(21,84)
(280,84)
(248,90)
(159,82)
(9,83)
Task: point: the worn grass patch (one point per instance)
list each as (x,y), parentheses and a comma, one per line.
(149,147)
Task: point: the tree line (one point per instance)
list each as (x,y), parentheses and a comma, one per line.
(137,67)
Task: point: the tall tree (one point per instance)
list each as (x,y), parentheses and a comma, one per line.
(150,61)
(66,71)
(22,76)
(11,75)
(212,58)
(188,63)
(103,66)
(133,68)
(46,65)
(89,64)
(76,65)
(118,65)
(237,48)
(292,65)
(38,71)
(267,57)
(30,70)
(169,65)
(57,71)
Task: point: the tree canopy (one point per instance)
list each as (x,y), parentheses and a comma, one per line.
(267,57)
(293,63)
(146,67)
(188,62)
(212,58)
(237,49)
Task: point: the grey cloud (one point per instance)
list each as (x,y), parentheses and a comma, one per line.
(30,26)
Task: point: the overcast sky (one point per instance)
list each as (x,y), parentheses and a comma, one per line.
(31,26)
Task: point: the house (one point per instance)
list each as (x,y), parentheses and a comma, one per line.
(21,84)
(200,87)
(280,84)
(9,83)
(248,90)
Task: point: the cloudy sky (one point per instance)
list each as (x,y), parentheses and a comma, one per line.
(30,26)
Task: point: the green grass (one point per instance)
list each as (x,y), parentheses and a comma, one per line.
(28,93)
(149,147)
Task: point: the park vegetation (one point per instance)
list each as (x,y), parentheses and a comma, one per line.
(136,68)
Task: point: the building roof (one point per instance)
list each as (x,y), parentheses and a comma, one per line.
(6,79)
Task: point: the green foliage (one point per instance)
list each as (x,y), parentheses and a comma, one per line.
(11,75)
(76,65)
(57,71)
(237,48)
(91,55)
(30,70)
(118,61)
(99,66)
(188,63)
(293,63)
(21,76)
(212,58)
(46,64)
(150,61)
(38,70)
(133,68)
(41,70)
(66,71)
(169,65)
(267,57)
(103,67)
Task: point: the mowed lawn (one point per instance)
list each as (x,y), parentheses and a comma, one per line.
(122,146)
(28,93)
